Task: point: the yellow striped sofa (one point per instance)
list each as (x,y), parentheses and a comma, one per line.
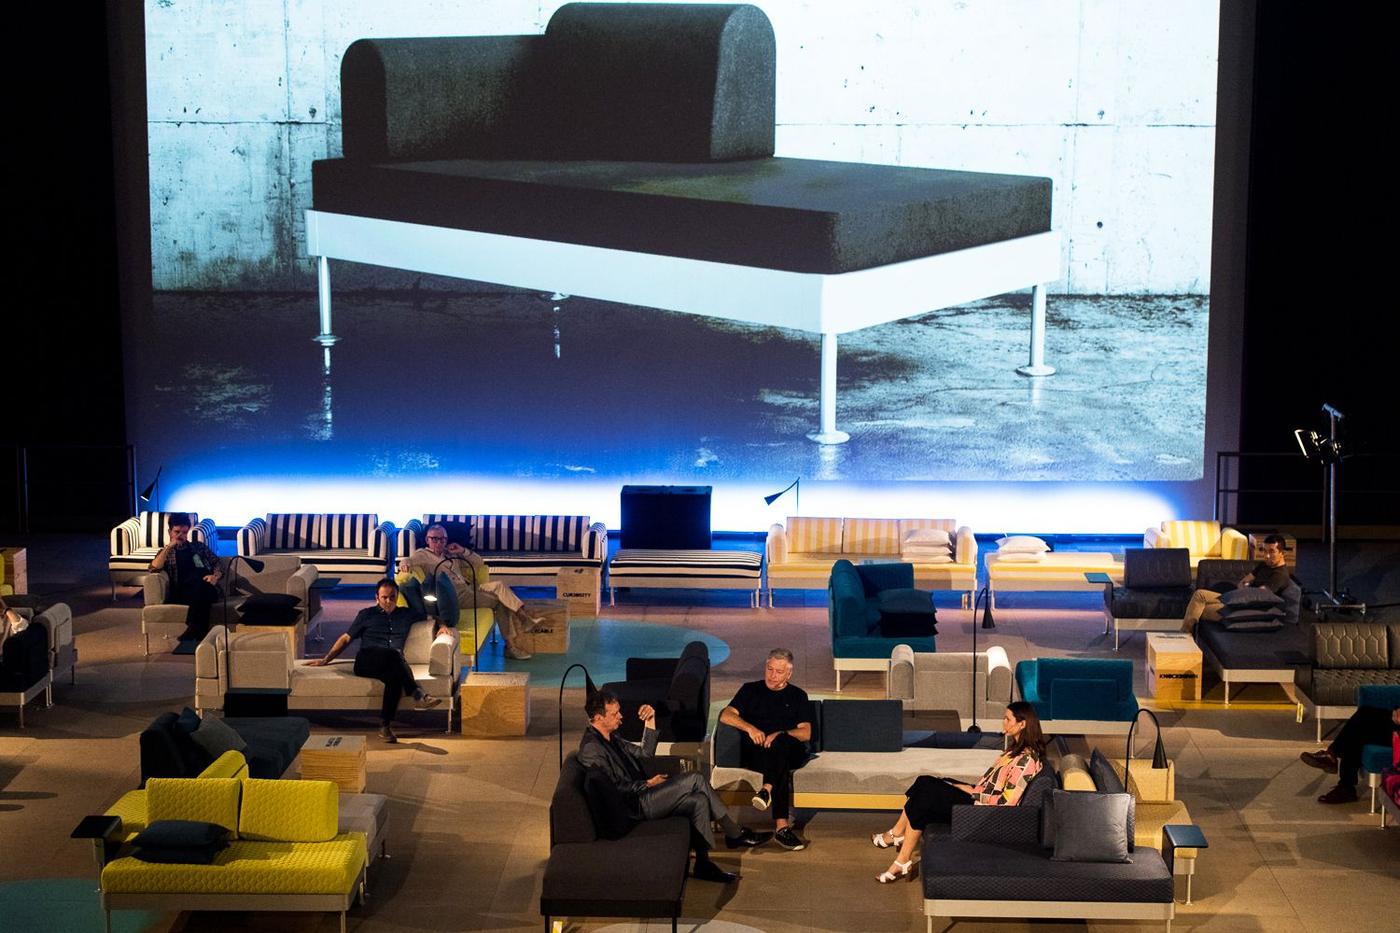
(801,553)
(1203,539)
(287,852)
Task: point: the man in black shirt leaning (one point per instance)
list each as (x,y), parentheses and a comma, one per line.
(777,719)
(383,630)
(1270,573)
(656,796)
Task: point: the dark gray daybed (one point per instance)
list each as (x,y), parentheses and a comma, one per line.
(627,155)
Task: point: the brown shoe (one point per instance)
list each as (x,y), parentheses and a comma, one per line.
(1323,761)
(1339,794)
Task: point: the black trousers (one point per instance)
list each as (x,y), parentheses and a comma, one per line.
(199,596)
(931,800)
(776,763)
(1369,725)
(387,665)
(688,795)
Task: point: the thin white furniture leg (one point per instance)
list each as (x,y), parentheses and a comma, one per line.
(828,433)
(323,286)
(1037,367)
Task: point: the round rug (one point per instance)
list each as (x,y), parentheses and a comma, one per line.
(603,646)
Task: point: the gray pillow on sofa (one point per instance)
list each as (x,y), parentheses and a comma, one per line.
(1091,827)
(216,737)
(1106,780)
(1250,597)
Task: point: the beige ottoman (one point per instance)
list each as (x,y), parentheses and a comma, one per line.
(495,704)
(551,635)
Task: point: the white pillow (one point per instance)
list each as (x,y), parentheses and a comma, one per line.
(1019,557)
(932,556)
(926,537)
(1021,544)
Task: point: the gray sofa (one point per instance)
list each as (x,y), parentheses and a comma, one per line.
(1347,655)
(262,662)
(862,758)
(927,681)
(35,658)
(1253,657)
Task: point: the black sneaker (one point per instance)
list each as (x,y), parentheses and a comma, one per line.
(386,735)
(762,799)
(788,839)
(747,839)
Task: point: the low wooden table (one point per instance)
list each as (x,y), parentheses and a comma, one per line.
(581,588)
(15,570)
(338,758)
(551,635)
(1173,666)
(495,704)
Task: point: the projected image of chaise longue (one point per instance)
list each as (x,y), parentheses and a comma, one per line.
(627,154)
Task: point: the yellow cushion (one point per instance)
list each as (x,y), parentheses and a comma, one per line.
(231,764)
(209,800)
(401,578)
(1149,784)
(466,640)
(1074,773)
(870,536)
(1201,538)
(247,867)
(289,811)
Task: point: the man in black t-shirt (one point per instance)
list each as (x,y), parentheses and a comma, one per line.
(1270,574)
(776,718)
(383,631)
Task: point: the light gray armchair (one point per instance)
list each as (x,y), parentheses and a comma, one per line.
(280,574)
(929,681)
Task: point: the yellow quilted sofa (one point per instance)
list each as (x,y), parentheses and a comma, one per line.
(1156,806)
(285,853)
(800,553)
(467,634)
(1203,539)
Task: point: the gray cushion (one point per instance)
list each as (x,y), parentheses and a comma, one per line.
(961,870)
(1105,778)
(862,725)
(1250,597)
(216,737)
(1090,827)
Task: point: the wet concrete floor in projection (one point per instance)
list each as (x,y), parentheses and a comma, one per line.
(454,375)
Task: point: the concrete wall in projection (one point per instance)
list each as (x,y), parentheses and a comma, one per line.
(1114,100)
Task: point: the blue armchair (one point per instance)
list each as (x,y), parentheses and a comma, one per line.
(873,608)
(1078,696)
(1375,759)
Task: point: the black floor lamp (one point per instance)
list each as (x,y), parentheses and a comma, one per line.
(254,565)
(153,487)
(1329,452)
(589,689)
(795,484)
(985,598)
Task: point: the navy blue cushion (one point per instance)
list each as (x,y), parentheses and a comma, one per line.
(862,725)
(179,834)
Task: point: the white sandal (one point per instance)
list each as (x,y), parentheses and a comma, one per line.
(878,840)
(904,870)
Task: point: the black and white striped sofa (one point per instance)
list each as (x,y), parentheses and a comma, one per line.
(522,550)
(136,540)
(354,548)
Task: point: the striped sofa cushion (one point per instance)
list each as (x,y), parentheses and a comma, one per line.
(1202,539)
(814,535)
(942,524)
(561,533)
(870,536)
(504,532)
(148,530)
(302,531)
(638,562)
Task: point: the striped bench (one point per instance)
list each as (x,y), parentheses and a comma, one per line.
(138,539)
(685,569)
(356,548)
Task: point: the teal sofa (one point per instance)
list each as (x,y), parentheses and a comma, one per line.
(1079,696)
(872,608)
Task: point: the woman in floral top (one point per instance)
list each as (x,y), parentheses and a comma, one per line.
(931,799)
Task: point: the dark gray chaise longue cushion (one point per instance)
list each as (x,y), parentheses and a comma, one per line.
(639,128)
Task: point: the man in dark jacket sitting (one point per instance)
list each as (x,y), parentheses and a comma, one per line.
(658,796)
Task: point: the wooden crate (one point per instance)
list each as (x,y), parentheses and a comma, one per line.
(495,704)
(1173,666)
(551,635)
(16,568)
(338,758)
(581,588)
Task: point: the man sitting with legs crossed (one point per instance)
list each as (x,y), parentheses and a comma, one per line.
(1270,573)
(656,796)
